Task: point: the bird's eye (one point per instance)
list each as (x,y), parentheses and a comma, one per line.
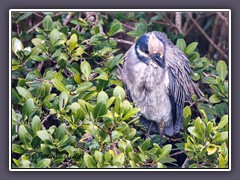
(146,51)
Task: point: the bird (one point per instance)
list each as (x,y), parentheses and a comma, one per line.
(156,77)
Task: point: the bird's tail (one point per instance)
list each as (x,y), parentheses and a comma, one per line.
(194,90)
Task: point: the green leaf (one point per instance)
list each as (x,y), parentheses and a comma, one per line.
(146,145)
(118,159)
(89,161)
(24,136)
(45,149)
(135,157)
(72,42)
(24,16)
(221,162)
(187,112)
(116,27)
(39,43)
(113,62)
(131,134)
(44,135)
(223,122)
(221,69)
(24,92)
(130,113)
(211,149)
(44,163)
(191,47)
(209,80)
(16,46)
(98,156)
(28,108)
(102,76)
(47,23)
(61,131)
(36,124)
(119,92)
(166,150)
(102,97)
(99,110)
(181,44)
(63,100)
(49,98)
(167,160)
(77,78)
(38,58)
(83,87)
(59,85)
(193,56)
(18,149)
(110,101)
(200,127)
(223,136)
(194,132)
(54,36)
(214,99)
(86,69)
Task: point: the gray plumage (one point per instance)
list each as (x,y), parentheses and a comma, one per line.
(156,75)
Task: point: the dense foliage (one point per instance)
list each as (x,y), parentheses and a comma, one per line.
(69,108)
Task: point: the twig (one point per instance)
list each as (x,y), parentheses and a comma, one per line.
(127,26)
(45,118)
(68,17)
(178,21)
(63,164)
(104,130)
(176,153)
(214,34)
(39,23)
(185,162)
(121,41)
(206,36)
(222,17)
(38,15)
(113,144)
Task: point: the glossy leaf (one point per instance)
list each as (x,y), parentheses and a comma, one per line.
(191,47)
(47,23)
(86,69)
(181,44)
(16,45)
(36,124)
(221,69)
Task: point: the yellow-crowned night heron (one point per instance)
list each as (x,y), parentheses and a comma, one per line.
(156,75)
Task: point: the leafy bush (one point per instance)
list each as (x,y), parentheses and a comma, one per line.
(69,109)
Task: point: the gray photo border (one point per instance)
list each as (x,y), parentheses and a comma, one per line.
(96,4)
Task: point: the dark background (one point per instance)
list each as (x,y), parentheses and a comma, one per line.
(123,4)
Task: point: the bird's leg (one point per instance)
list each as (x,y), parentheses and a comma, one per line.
(160,130)
(149,129)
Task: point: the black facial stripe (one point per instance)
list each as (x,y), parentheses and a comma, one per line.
(142,45)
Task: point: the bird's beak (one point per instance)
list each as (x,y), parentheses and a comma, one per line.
(158,59)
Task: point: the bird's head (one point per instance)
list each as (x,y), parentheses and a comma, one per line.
(149,48)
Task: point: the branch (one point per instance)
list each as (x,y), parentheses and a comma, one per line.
(176,153)
(222,17)
(67,19)
(207,37)
(178,21)
(185,162)
(122,41)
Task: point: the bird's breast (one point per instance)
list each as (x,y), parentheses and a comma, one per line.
(148,88)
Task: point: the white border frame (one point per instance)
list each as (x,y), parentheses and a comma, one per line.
(123,10)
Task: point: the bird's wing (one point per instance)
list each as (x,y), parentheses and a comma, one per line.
(181,86)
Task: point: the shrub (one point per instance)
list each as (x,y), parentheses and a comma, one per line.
(69,109)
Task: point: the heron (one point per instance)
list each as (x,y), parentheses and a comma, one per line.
(156,76)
